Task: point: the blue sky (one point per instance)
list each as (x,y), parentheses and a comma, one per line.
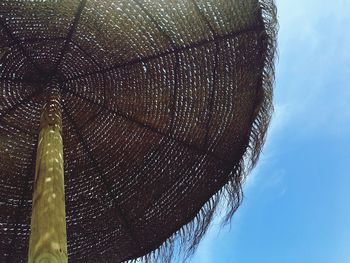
(296,205)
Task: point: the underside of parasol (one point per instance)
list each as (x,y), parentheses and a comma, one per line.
(158,108)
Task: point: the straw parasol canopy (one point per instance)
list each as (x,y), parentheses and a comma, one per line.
(162,107)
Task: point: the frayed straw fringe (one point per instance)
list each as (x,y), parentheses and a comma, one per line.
(186,239)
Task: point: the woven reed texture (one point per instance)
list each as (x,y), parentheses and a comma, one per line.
(165,105)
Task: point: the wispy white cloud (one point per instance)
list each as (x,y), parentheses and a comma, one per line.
(313,72)
(279,121)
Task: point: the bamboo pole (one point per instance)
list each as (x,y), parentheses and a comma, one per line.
(48,238)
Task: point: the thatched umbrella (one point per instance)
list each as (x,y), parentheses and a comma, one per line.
(158,109)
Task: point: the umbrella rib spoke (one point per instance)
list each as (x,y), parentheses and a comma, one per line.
(168,52)
(203,17)
(149,127)
(155,23)
(86,54)
(176,68)
(215,72)
(22,49)
(124,220)
(70,34)
(212,94)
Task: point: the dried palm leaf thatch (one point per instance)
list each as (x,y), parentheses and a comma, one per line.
(165,107)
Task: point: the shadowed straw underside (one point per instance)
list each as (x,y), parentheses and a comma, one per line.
(165,109)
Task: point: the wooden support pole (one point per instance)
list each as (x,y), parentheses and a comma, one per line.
(48,237)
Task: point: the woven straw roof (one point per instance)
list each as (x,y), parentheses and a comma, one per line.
(165,105)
